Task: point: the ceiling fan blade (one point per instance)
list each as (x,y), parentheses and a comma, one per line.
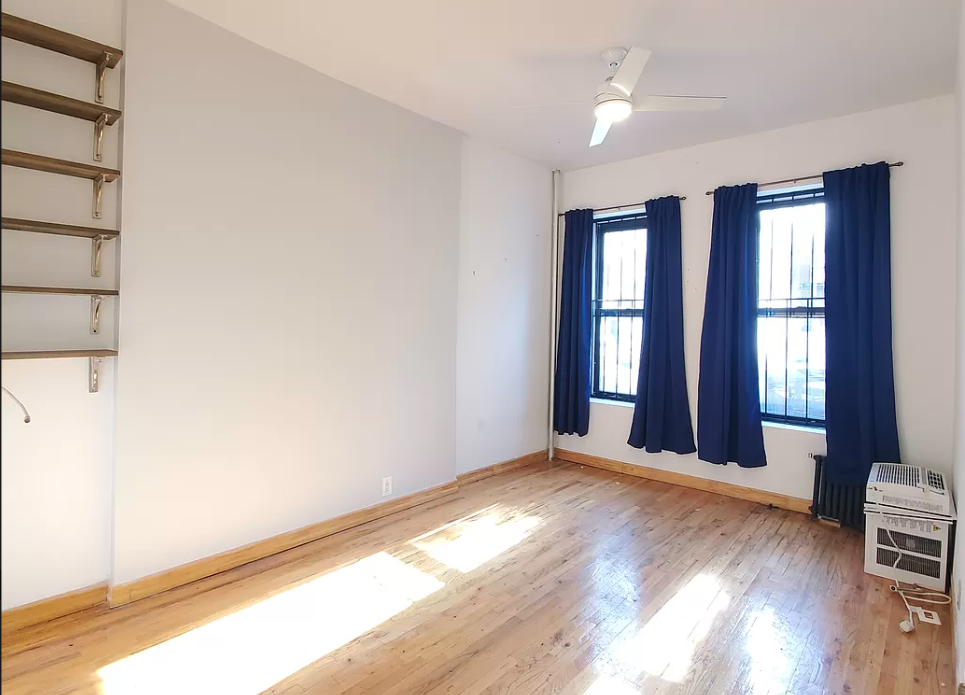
(677,103)
(599,131)
(629,71)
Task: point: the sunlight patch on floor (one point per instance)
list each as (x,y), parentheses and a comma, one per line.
(606,685)
(252,649)
(665,646)
(770,665)
(471,541)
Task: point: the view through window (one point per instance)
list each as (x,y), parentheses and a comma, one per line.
(790,307)
(621,261)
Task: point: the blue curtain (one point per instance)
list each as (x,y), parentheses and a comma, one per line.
(661,416)
(573,373)
(860,382)
(728,396)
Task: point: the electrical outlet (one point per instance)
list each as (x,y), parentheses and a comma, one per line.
(387,486)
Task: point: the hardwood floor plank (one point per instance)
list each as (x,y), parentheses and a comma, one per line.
(553,578)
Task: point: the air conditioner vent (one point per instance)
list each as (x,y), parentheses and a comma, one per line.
(899,474)
(913,544)
(910,563)
(936,481)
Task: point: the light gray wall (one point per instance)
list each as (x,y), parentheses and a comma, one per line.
(289,287)
(504,305)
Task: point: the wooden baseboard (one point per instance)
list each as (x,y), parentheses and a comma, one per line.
(794,504)
(502,467)
(121,594)
(53,607)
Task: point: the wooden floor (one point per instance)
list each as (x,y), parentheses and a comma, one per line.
(552,579)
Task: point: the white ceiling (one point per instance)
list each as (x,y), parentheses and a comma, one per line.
(471,63)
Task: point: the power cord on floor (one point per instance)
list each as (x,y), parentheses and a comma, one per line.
(915,593)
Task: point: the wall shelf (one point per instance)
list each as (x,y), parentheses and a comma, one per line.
(29,289)
(96,298)
(96,235)
(94,357)
(57,103)
(26,160)
(98,114)
(52,39)
(51,165)
(40,227)
(49,354)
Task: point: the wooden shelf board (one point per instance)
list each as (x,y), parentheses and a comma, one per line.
(29,289)
(37,162)
(56,103)
(24,30)
(47,354)
(40,227)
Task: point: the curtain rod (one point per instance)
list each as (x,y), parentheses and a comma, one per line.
(805,178)
(619,207)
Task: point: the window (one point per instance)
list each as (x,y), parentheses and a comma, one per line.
(790,306)
(621,261)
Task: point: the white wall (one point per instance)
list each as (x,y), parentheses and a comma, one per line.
(290,275)
(504,275)
(923,271)
(56,471)
(959,468)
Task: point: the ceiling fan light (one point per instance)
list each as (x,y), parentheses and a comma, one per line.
(613,110)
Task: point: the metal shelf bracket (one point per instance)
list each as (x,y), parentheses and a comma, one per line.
(99,80)
(93,374)
(98,195)
(96,247)
(95,313)
(99,125)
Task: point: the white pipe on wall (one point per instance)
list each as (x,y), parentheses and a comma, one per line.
(554,278)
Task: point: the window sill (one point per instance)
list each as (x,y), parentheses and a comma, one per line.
(798,428)
(607,401)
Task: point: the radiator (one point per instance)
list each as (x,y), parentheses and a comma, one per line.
(841,503)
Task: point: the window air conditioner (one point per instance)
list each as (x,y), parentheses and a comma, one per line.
(908,517)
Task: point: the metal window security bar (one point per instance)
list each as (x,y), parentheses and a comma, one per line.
(795,307)
(618,306)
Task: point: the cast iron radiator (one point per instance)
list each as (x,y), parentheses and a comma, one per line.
(841,503)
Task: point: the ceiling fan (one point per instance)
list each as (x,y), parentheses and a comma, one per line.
(614,101)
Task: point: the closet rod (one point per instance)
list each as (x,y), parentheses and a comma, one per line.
(630,206)
(804,178)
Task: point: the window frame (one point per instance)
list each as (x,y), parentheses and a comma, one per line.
(773,200)
(602,226)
